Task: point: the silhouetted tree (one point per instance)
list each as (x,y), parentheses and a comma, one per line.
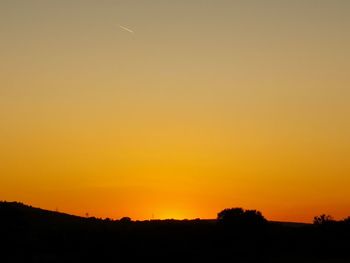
(323,219)
(125,219)
(347,220)
(230,214)
(241,216)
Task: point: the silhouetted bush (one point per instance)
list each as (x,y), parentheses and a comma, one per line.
(240,216)
(323,220)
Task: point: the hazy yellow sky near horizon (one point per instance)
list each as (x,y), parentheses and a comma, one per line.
(207,105)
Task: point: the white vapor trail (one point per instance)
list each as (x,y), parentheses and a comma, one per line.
(127,29)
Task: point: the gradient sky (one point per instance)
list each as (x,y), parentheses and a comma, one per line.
(207,105)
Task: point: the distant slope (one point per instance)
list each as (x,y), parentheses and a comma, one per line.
(19,209)
(29,234)
(19,213)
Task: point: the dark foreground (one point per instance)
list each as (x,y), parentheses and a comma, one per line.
(33,235)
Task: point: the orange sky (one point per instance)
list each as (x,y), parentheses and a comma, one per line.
(206,105)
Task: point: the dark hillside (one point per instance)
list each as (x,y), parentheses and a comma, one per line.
(34,235)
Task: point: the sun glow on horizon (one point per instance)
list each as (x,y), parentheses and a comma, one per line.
(235,104)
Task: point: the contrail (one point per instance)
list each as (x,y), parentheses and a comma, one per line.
(127,29)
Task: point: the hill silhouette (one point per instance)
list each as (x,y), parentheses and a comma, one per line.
(35,235)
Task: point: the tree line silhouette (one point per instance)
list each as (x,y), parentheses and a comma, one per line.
(30,234)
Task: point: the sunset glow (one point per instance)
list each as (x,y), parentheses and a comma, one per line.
(200,106)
